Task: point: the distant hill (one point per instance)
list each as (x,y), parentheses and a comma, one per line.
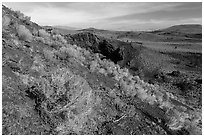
(189,28)
(188,33)
(66,27)
(92,30)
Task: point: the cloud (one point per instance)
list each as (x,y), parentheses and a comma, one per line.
(175,13)
(127,15)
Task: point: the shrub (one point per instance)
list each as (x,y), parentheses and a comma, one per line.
(93,66)
(48,41)
(19,15)
(40,39)
(55,44)
(59,38)
(38,64)
(102,71)
(22,17)
(86,53)
(48,54)
(45,41)
(16,42)
(54,32)
(71,89)
(70,52)
(119,103)
(26,20)
(35,32)
(43,33)
(5,21)
(24,33)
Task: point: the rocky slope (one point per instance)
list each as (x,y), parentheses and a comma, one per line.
(55,84)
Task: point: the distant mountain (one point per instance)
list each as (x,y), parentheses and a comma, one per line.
(93,30)
(66,27)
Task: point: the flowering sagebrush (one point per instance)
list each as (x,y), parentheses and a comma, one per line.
(49,54)
(24,33)
(69,52)
(40,39)
(43,33)
(21,16)
(5,21)
(59,38)
(93,66)
(35,32)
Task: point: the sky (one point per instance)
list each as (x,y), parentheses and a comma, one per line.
(111,15)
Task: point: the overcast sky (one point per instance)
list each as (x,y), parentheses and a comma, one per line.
(120,16)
